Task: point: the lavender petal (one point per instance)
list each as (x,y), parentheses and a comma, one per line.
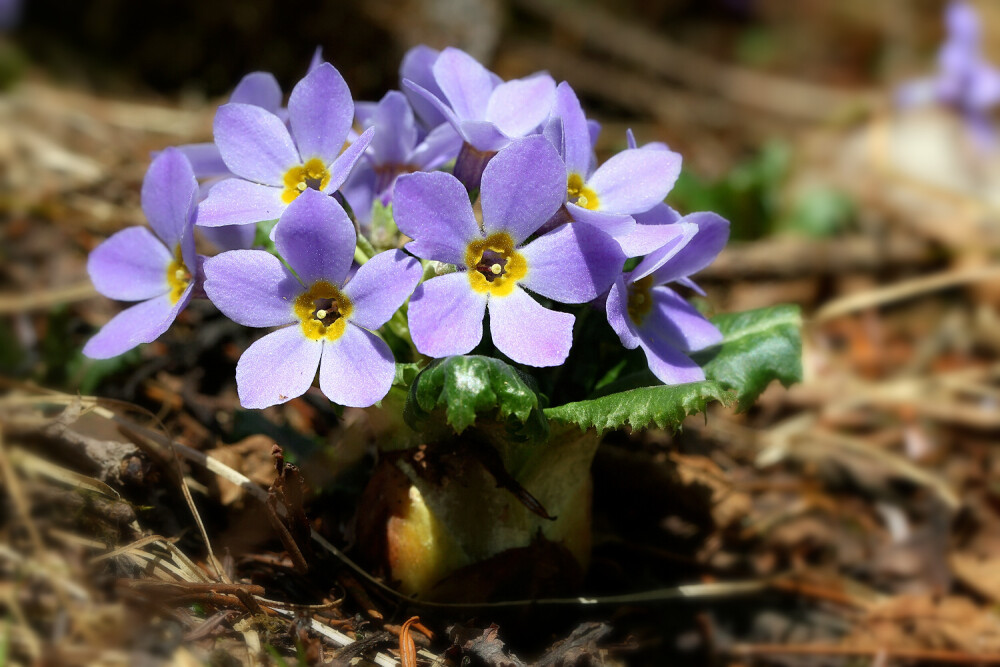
(342,166)
(676,322)
(252,288)
(320,112)
(381,286)
(572,264)
(234,201)
(316,238)
(635,180)
(433,209)
(277,368)
(131,265)
(618,317)
(260,89)
(519,107)
(446,316)
(142,323)
(699,252)
(169,194)
(254,143)
(529,333)
(466,84)
(522,187)
(357,369)
(577,151)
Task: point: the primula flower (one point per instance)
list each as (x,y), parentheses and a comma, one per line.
(326,323)
(521,188)
(158,268)
(487,112)
(275,165)
(395,149)
(647,314)
(631,182)
(965,81)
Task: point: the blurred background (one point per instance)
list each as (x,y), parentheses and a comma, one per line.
(865,501)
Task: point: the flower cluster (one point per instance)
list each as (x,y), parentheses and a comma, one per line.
(965,82)
(498,208)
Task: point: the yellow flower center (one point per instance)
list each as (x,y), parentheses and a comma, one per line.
(312,174)
(178,275)
(579,194)
(324,311)
(494,265)
(639,301)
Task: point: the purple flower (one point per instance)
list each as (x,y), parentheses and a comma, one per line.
(522,187)
(158,268)
(647,314)
(487,112)
(965,81)
(330,321)
(417,66)
(633,181)
(394,150)
(275,165)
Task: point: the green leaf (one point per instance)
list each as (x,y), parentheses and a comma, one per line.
(465,389)
(405,374)
(662,406)
(758,346)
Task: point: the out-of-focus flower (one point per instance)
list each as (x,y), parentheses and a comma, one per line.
(159,268)
(522,187)
(647,314)
(965,81)
(326,323)
(274,164)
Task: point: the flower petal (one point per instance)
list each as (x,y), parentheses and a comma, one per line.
(206,160)
(676,236)
(699,252)
(677,323)
(439,146)
(381,286)
(435,101)
(252,288)
(577,150)
(616,225)
(572,264)
(465,83)
(320,112)
(523,186)
(277,368)
(234,201)
(131,265)
(230,237)
(618,318)
(254,143)
(529,333)
(359,191)
(344,164)
(483,135)
(142,323)
(169,194)
(396,135)
(417,66)
(670,365)
(446,316)
(316,238)
(260,89)
(635,180)
(357,369)
(433,209)
(518,107)
(651,231)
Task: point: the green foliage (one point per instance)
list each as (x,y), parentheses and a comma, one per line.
(458,391)
(662,406)
(758,346)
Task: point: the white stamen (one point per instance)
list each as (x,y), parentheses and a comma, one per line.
(496,269)
(180,275)
(321,314)
(581,201)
